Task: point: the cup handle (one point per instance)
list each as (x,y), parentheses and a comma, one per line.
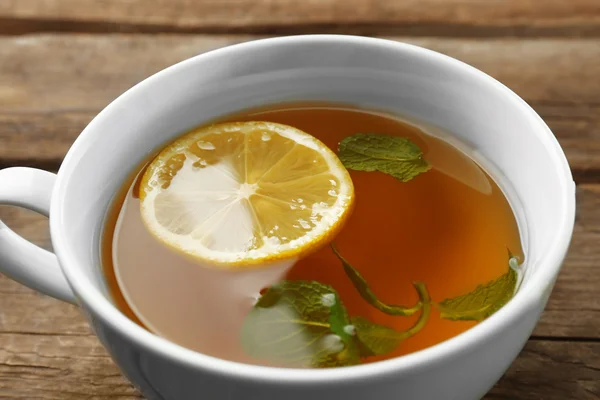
(21,260)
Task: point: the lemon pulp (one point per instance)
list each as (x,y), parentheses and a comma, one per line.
(245,193)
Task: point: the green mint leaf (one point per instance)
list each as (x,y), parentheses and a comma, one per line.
(375,339)
(367,294)
(395,156)
(300,324)
(378,339)
(485,299)
(342,327)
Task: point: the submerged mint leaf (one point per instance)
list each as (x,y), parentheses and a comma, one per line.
(300,324)
(341,326)
(395,156)
(378,339)
(375,339)
(485,299)
(367,294)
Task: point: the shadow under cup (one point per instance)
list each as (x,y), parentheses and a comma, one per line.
(500,130)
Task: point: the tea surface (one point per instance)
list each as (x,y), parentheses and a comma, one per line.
(448,228)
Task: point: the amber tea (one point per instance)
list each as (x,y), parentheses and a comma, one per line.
(310,235)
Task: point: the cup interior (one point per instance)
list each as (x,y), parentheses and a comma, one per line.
(500,130)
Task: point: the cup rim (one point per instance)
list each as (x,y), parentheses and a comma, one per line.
(525,299)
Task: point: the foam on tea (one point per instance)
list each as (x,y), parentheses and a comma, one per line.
(430,248)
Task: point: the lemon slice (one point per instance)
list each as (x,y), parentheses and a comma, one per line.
(246,193)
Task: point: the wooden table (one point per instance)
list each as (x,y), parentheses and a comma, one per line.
(61,61)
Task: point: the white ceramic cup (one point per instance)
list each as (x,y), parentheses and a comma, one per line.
(420,84)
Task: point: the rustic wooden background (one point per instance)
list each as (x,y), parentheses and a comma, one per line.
(61,61)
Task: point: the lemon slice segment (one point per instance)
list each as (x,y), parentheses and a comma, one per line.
(246,193)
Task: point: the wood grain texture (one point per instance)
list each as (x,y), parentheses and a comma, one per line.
(417,17)
(552,371)
(62,367)
(44,106)
(86,72)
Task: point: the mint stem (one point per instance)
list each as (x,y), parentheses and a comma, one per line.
(425,312)
(366,293)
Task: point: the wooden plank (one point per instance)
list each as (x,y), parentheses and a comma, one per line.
(573,309)
(58,73)
(44,106)
(39,139)
(552,371)
(73,367)
(425,17)
(59,367)
(33,77)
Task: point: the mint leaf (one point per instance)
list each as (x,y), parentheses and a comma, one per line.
(395,156)
(342,327)
(485,299)
(375,339)
(367,294)
(300,324)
